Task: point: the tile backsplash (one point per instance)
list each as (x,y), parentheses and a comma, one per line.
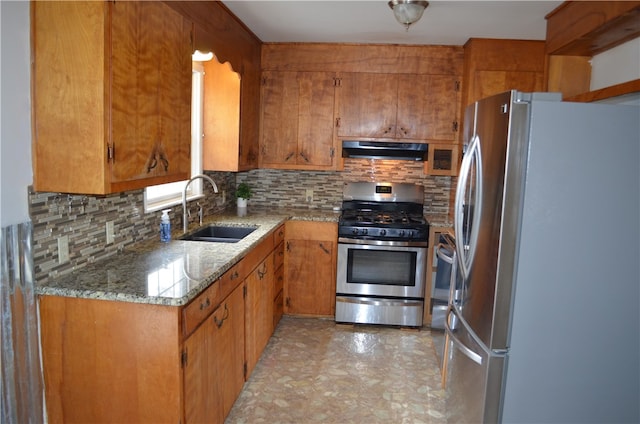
(276,188)
(83,218)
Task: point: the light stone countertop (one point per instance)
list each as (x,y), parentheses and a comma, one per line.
(175,273)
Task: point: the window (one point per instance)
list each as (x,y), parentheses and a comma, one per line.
(166,195)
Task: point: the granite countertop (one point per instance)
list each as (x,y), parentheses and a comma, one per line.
(173,273)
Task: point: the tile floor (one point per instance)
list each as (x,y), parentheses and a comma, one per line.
(316,371)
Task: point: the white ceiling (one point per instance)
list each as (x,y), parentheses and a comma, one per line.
(449,22)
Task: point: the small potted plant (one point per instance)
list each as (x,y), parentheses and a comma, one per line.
(243,193)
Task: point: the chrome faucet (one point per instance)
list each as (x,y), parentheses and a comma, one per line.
(184,197)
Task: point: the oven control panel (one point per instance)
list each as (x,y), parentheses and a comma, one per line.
(377,233)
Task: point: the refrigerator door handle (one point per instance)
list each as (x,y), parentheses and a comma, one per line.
(467,251)
(463,348)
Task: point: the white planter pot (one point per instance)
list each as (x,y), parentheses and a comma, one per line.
(242,203)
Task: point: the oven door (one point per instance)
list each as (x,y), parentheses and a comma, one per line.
(381,270)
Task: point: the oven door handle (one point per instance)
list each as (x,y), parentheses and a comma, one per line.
(379,302)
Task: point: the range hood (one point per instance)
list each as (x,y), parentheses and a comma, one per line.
(384,150)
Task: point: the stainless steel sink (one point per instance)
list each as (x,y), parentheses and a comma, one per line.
(219,234)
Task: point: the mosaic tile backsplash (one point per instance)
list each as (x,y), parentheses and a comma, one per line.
(83,218)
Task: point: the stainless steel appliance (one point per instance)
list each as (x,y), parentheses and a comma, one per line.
(445,279)
(546,225)
(382,249)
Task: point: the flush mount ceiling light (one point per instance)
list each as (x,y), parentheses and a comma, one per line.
(408,12)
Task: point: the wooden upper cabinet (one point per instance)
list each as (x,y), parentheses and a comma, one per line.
(367,105)
(111,96)
(576,31)
(398,106)
(493,66)
(297,120)
(221,116)
(428,107)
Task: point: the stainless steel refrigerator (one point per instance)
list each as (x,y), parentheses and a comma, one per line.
(547,223)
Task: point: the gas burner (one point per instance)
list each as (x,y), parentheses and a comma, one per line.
(391,212)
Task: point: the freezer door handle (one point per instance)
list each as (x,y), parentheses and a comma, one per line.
(468,352)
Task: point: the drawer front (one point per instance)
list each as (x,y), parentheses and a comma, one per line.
(200,308)
(278,256)
(230,279)
(278,281)
(278,235)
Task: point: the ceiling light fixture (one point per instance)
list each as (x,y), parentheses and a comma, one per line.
(408,12)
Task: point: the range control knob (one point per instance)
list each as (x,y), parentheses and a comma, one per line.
(354,231)
(364,231)
(401,233)
(383,232)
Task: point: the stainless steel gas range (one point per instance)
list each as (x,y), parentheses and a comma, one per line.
(382,254)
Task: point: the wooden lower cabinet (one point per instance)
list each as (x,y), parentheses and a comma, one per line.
(259,311)
(213,358)
(107,361)
(310,264)
(110,361)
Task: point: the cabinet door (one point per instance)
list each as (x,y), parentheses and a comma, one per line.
(427,107)
(310,267)
(228,349)
(214,362)
(151,92)
(279,142)
(367,105)
(297,120)
(316,98)
(258,311)
(201,402)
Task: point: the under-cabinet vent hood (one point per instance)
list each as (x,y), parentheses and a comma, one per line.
(384,150)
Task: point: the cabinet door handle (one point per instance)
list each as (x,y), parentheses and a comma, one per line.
(152,163)
(289,156)
(224,317)
(165,162)
(304,157)
(233,276)
(324,248)
(263,272)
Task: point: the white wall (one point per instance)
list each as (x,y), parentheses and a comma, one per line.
(15,122)
(615,66)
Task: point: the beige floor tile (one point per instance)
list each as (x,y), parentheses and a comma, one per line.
(314,371)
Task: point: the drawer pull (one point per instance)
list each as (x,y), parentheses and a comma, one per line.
(234,276)
(205,304)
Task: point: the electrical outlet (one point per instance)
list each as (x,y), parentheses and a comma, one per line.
(309,195)
(109,231)
(63,249)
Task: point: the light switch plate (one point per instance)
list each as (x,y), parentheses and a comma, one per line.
(309,195)
(63,249)
(109,232)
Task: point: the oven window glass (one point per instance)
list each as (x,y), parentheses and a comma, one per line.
(385,267)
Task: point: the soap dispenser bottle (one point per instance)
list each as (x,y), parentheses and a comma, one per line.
(165,226)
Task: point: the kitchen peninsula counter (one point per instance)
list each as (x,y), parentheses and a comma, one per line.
(174,273)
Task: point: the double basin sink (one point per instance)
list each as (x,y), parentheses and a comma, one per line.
(219,234)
